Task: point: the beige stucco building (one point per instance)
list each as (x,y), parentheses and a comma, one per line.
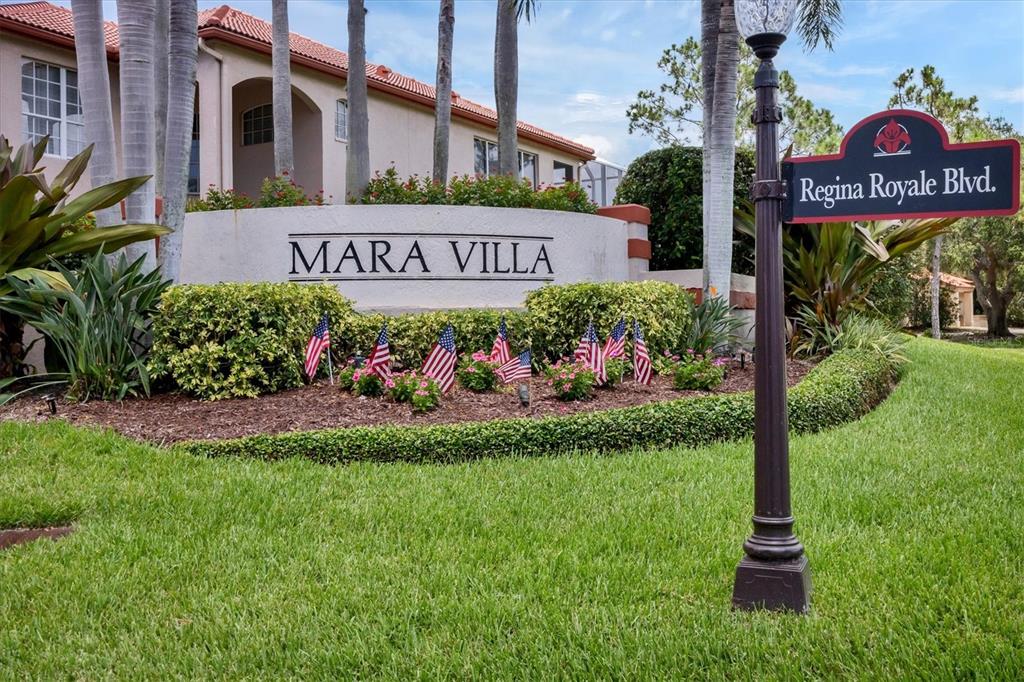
(233,140)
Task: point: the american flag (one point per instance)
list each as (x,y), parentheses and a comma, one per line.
(615,346)
(516,369)
(320,341)
(379,362)
(589,352)
(641,359)
(500,351)
(440,363)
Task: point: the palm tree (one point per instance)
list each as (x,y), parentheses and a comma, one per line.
(160,74)
(183,44)
(357,170)
(94,90)
(443,89)
(506,79)
(135,20)
(817,22)
(284,156)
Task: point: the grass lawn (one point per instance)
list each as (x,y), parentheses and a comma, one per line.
(568,567)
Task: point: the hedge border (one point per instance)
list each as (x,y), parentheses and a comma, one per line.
(841,389)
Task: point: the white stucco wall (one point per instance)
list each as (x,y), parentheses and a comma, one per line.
(426,256)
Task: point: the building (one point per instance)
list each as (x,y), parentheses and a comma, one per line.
(233,136)
(600,179)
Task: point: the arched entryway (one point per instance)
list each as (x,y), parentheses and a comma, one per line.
(253,141)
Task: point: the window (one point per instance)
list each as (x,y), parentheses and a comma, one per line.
(562,173)
(50,106)
(485,160)
(193,157)
(341,120)
(258,125)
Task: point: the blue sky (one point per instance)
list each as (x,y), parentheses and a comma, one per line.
(583,61)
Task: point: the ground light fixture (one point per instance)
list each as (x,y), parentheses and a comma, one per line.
(774,574)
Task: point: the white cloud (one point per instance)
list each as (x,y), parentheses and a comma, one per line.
(823,93)
(601,145)
(1013,95)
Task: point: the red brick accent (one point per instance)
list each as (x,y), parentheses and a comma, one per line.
(638,248)
(631,213)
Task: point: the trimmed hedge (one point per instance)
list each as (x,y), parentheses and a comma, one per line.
(840,389)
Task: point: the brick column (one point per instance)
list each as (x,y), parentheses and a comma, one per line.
(638,248)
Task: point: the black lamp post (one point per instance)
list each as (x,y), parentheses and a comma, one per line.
(774,573)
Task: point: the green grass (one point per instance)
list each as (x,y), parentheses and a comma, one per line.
(586,566)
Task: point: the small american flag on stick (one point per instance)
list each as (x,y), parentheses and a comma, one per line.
(318,342)
(379,362)
(641,358)
(516,369)
(615,346)
(440,363)
(589,352)
(500,351)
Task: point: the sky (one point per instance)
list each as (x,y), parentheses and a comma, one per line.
(582,61)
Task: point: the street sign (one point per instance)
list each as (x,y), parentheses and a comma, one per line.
(900,164)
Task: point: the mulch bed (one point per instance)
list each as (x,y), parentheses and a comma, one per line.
(172,417)
(16,536)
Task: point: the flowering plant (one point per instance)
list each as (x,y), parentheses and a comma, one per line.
(477,373)
(219,200)
(701,373)
(282,191)
(615,369)
(363,382)
(571,380)
(419,390)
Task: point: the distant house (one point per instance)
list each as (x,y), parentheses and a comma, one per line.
(233,133)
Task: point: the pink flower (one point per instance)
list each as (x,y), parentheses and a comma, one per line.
(551,382)
(667,353)
(389,383)
(424,384)
(422,393)
(356,375)
(572,375)
(690,351)
(471,369)
(481,356)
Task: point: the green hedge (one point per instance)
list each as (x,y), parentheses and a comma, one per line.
(839,390)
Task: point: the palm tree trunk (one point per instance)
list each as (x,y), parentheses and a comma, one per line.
(135,20)
(443,102)
(710,13)
(183,50)
(284,155)
(357,171)
(160,66)
(936,288)
(506,85)
(94,90)
(722,156)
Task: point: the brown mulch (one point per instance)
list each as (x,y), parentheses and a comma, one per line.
(173,417)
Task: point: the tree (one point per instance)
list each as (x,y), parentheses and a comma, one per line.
(94,90)
(160,74)
(284,156)
(183,44)
(357,171)
(135,20)
(443,90)
(959,115)
(720,44)
(506,79)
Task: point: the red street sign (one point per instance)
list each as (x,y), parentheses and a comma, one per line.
(900,164)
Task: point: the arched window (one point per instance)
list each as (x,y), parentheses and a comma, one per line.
(258,125)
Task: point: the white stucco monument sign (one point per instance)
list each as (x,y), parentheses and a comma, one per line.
(407,257)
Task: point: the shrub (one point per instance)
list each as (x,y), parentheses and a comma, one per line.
(97,328)
(420,391)
(282,191)
(699,374)
(241,340)
(615,369)
(477,373)
(670,182)
(571,380)
(713,326)
(839,390)
(370,385)
(921,309)
(219,200)
(496,190)
(560,313)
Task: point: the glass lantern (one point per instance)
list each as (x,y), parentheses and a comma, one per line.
(755,17)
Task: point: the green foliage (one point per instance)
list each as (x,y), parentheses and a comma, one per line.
(367,384)
(615,369)
(855,332)
(927,92)
(282,191)
(670,183)
(571,380)
(495,190)
(921,303)
(241,340)
(98,326)
(420,391)
(558,314)
(220,200)
(893,288)
(699,374)
(477,373)
(713,326)
(840,389)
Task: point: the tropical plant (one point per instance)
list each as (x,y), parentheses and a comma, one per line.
(443,90)
(183,50)
(856,332)
(220,200)
(713,326)
(284,157)
(36,218)
(135,21)
(98,325)
(161,75)
(94,92)
(357,169)
(506,79)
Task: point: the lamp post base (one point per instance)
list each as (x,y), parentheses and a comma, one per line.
(773,585)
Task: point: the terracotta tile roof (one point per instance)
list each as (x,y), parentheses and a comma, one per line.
(947,280)
(44,20)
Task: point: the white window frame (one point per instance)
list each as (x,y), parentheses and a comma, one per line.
(63,124)
(494,171)
(250,110)
(341,104)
